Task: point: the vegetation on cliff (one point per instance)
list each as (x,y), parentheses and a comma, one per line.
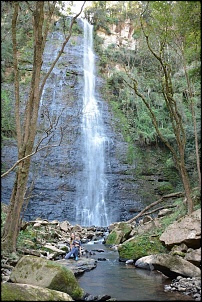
(152,82)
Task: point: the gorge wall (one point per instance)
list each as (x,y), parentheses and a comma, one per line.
(56,172)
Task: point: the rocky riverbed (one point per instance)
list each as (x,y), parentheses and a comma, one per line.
(188,286)
(57,248)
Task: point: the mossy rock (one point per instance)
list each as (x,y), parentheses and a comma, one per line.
(119,234)
(27,292)
(140,246)
(46,273)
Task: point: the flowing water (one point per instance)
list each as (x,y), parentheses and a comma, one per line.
(123,281)
(91,208)
(54,194)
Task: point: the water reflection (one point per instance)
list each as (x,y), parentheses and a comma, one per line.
(123,281)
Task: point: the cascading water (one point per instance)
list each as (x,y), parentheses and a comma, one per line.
(91,209)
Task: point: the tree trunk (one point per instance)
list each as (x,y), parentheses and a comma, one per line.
(10,231)
(186,184)
(26,134)
(25,140)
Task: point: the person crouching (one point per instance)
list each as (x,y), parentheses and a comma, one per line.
(75,250)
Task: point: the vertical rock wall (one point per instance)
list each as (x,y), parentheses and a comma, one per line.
(56,171)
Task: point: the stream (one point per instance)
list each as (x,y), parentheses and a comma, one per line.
(123,281)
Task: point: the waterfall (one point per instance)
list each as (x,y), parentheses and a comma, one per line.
(91,207)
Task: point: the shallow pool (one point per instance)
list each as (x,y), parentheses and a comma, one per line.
(123,281)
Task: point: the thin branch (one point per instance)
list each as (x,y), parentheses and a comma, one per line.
(37,149)
(160,208)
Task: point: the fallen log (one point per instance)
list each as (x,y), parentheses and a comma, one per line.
(176,195)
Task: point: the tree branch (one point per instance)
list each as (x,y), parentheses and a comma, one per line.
(37,149)
(178,194)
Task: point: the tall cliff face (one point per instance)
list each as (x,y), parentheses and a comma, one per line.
(121,34)
(55,172)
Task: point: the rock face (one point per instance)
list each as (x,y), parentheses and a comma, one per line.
(45,273)
(121,35)
(56,172)
(169,265)
(187,230)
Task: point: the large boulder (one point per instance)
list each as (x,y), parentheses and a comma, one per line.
(139,246)
(45,273)
(79,267)
(119,234)
(186,230)
(27,292)
(170,265)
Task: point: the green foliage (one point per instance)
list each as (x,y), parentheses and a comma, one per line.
(173,30)
(179,212)
(7,116)
(148,243)
(27,238)
(7,52)
(3,219)
(65,24)
(165,187)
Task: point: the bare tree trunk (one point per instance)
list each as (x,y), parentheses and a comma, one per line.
(26,134)
(25,141)
(12,224)
(185,180)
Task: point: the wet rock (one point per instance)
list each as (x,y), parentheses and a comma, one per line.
(89,297)
(188,286)
(80,266)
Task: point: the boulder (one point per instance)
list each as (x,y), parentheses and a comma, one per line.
(164,212)
(46,273)
(65,226)
(137,247)
(148,226)
(27,292)
(194,256)
(80,266)
(119,234)
(146,219)
(170,265)
(186,230)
